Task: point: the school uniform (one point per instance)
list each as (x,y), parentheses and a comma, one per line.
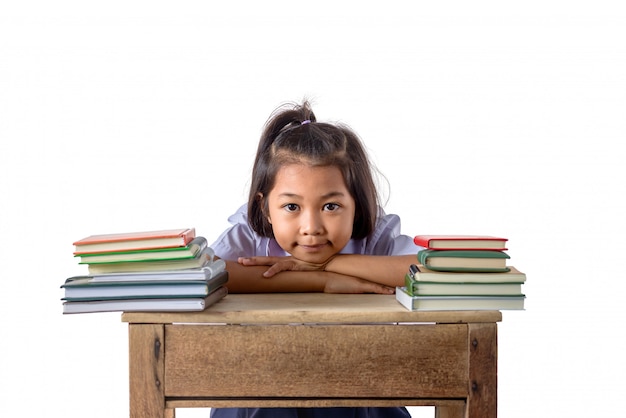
(241,241)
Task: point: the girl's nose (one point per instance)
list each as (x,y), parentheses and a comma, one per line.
(311,223)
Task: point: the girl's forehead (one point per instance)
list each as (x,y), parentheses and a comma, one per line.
(303,171)
(306,180)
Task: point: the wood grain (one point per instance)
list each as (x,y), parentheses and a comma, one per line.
(146,371)
(335,361)
(483,373)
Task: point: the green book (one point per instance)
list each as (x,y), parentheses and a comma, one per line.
(463,260)
(419,288)
(202,259)
(459,281)
(197,245)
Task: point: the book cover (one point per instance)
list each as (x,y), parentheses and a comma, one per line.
(416,288)
(458,303)
(202,259)
(194,247)
(427,275)
(203,273)
(84,288)
(135,240)
(146,305)
(464,260)
(461,242)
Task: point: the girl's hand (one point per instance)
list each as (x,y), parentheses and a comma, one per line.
(338,283)
(278,264)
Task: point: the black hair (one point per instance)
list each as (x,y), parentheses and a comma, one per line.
(293,135)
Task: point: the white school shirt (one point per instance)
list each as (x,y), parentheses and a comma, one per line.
(241,241)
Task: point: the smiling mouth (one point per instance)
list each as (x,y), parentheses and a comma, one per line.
(313,247)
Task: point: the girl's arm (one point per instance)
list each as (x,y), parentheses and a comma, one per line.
(251,279)
(387,270)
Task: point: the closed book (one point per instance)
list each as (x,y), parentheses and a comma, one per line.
(127,241)
(84,288)
(461,242)
(415,288)
(458,303)
(511,276)
(203,273)
(463,260)
(189,251)
(146,305)
(202,259)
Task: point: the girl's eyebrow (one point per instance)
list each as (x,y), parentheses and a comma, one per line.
(333,194)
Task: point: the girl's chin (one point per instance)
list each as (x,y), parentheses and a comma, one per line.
(308,257)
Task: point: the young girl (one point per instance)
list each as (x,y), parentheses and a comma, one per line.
(312,224)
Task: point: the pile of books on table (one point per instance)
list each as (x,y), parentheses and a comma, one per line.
(462,272)
(150,271)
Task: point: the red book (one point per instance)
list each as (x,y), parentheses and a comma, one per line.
(133,241)
(461,242)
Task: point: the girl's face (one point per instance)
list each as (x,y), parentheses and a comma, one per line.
(311,211)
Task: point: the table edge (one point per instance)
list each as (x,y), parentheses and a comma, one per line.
(310,308)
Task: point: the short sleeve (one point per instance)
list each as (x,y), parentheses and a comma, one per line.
(387,238)
(237,241)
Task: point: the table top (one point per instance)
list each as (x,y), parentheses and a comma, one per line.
(309,308)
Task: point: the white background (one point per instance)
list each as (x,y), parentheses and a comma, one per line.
(485,117)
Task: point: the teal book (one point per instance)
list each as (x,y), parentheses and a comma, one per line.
(85,288)
(463,260)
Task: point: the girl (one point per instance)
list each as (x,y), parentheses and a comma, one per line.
(312,224)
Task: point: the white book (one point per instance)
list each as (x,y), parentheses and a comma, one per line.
(458,303)
(203,273)
(85,288)
(146,305)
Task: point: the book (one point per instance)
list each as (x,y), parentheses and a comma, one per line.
(463,260)
(426,275)
(189,251)
(84,288)
(458,303)
(146,305)
(202,259)
(415,288)
(461,242)
(134,240)
(203,273)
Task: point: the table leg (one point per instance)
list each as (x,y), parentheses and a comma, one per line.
(483,371)
(449,412)
(146,370)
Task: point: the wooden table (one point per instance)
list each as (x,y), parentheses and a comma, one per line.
(313,350)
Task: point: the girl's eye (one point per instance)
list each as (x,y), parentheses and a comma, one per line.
(291,207)
(331,207)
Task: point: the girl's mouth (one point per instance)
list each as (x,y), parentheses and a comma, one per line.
(313,247)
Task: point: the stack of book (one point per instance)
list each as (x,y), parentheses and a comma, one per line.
(462,272)
(162,271)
